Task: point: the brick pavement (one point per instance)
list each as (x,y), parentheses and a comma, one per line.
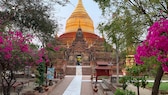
(59,89)
(74,88)
(86,88)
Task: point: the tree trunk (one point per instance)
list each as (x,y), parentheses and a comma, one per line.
(6,90)
(7,82)
(117,61)
(138,90)
(0,75)
(155,89)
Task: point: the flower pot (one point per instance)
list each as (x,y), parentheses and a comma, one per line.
(46,89)
(95,89)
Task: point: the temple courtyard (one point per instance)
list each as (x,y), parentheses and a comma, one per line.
(74,85)
(81,62)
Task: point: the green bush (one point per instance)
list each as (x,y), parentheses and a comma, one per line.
(124,92)
(119,92)
(40,78)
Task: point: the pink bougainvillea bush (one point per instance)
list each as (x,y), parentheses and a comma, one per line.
(47,53)
(15,48)
(15,53)
(156,44)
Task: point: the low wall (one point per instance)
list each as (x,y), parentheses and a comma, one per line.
(71,70)
(86,70)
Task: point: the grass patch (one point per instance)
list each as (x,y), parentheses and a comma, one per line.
(103,77)
(163,86)
(165,77)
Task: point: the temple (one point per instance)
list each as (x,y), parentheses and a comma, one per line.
(81,46)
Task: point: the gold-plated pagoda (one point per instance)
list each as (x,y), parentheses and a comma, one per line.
(79,14)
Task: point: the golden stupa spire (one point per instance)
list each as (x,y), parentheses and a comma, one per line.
(79,14)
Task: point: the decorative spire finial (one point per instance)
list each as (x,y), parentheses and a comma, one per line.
(80,1)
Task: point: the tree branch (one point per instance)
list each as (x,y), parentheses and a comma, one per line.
(163,6)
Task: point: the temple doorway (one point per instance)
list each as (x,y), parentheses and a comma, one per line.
(78,60)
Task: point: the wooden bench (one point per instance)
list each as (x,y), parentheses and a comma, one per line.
(104,88)
(19,84)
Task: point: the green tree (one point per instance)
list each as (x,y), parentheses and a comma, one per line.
(120,32)
(30,16)
(139,15)
(145,12)
(137,76)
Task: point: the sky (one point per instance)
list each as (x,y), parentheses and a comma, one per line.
(63,13)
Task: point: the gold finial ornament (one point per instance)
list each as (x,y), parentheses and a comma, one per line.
(79,14)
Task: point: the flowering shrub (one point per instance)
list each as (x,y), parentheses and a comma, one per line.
(15,53)
(155,44)
(44,54)
(15,48)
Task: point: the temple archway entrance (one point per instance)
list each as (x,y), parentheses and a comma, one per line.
(78,60)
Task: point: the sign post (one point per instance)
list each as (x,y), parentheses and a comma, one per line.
(50,75)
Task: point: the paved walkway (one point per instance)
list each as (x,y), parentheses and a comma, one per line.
(81,85)
(59,89)
(74,87)
(86,86)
